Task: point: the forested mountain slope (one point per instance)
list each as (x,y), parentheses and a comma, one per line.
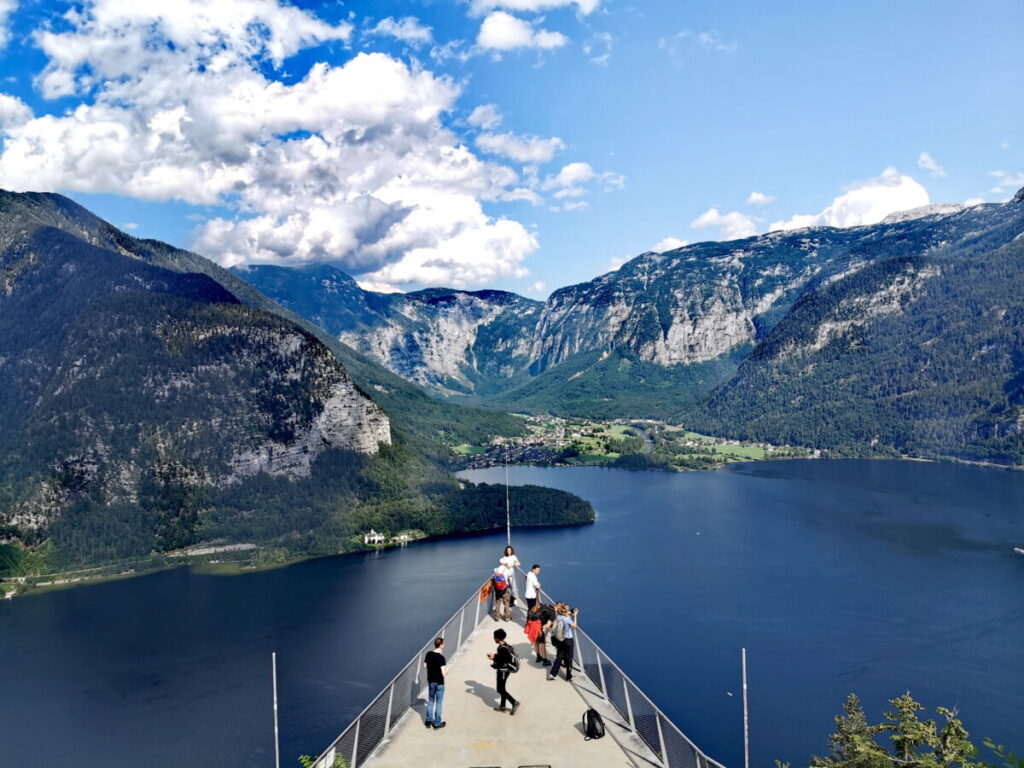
(149,399)
(920,355)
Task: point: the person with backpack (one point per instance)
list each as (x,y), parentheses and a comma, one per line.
(505,662)
(502,594)
(564,639)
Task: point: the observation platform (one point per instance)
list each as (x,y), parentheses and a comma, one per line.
(547,730)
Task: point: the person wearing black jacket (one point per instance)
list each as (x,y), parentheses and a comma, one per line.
(501,661)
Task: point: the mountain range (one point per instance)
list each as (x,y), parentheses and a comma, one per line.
(150,399)
(708,333)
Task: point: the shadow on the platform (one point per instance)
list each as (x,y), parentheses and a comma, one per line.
(486,694)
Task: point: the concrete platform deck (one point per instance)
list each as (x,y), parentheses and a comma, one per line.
(546,731)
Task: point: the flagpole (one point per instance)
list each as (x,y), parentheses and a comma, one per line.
(277,743)
(508,509)
(746,722)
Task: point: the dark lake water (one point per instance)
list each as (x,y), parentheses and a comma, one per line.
(866,577)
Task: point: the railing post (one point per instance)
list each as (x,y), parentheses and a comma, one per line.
(387,720)
(629,707)
(462,619)
(355,744)
(476,615)
(600,673)
(661,740)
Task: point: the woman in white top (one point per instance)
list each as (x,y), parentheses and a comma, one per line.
(510,562)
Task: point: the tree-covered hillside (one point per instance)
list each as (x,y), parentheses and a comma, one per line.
(147,406)
(920,355)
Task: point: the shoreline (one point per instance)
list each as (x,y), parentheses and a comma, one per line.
(217,567)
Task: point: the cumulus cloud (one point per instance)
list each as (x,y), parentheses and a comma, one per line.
(502,31)
(408,29)
(523,149)
(759,198)
(930,164)
(7,7)
(13,112)
(351,164)
(486,116)
(668,244)
(538,287)
(576,179)
(866,202)
(732,226)
(480,7)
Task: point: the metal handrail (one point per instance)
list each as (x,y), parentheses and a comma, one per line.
(358,743)
(629,687)
(394,715)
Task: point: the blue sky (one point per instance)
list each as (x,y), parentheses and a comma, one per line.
(518,144)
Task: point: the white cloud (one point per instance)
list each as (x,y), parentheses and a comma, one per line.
(710,41)
(351,164)
(668,244)
(370,285)
(929,163)
(114,39)
(486,116)
(7,7)
(571,175)
(480,7)
(866,202)
(759,198)
(575,180)
(616,262)
(407,29)
(13,112)
(599,48)
(538,287)
(573,205)
(130,226)
(973,201)
(1006,182)
(524,149)
(501,31)
(732,226)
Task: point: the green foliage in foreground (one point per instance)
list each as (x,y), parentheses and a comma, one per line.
(912,742)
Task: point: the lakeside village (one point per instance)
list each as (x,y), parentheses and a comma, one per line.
(623,443)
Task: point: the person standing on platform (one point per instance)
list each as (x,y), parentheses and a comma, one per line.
(502,594)
(502,661)
(567,645)
(510,562)
(532,591)
(437,669)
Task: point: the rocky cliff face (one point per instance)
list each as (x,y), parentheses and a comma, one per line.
(446,340)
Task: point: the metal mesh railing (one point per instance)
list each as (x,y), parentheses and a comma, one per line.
(360,740)
(669,745)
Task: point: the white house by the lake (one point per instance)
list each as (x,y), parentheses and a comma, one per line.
(373,537)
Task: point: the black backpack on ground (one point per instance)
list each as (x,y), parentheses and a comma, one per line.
(593,725)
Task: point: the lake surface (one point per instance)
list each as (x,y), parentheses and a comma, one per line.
(838,577)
